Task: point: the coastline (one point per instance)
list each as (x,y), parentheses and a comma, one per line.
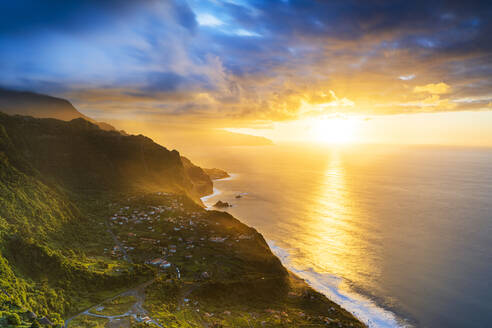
(362,307)
(216,191)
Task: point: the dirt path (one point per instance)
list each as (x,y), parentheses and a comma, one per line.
(136,310)
(126,257)
(185,294)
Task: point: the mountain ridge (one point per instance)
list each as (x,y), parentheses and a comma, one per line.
(38,105)
(69,149)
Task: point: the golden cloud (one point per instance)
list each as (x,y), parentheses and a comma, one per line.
(434,88)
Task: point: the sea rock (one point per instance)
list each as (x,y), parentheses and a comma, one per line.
(221,204)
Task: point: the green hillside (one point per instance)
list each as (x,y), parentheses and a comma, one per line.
(78,155)
(100,229)
(47,235)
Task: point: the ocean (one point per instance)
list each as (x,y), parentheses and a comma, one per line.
(398,235)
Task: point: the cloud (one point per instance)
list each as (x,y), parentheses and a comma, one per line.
(240,60)
(407,77)
(325,102)
(243,32)
(433,88)
(209,20)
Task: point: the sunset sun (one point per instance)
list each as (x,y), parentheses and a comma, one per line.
(334,130)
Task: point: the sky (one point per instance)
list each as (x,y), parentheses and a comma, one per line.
(261,65)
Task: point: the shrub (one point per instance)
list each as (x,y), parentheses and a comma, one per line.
(14,319)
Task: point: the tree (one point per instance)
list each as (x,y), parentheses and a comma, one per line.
(14,319)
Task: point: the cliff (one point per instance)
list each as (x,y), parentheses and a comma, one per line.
(79,155)
(201,181)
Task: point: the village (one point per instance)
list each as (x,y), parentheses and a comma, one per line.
(193,251)
(168,235)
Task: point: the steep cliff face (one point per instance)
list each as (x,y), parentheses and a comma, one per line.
(79,155)
(202,183)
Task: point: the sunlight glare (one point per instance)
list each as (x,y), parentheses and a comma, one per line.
(334,130)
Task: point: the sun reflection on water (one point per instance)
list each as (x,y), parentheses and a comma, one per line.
(332,241)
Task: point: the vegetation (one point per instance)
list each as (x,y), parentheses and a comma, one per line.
(115,306)
(86,321)
(80,238)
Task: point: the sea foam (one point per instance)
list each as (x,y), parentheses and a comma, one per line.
(360,306)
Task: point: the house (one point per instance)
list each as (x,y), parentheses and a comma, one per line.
(217,239)
(165,265)
(156,261)
(160,262)
(245,237)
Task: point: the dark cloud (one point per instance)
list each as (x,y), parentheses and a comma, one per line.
(164,82)
(32,16)
(185,16)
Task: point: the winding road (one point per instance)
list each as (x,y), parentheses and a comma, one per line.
(135,311)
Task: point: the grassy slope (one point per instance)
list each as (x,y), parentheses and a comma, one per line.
(48,235)
(54,210)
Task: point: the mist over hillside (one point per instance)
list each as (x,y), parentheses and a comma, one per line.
(42,106)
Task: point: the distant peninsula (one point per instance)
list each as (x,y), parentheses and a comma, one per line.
(215,173)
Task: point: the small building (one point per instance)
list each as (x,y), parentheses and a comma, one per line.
(218,239)
(245,237)
(159,262)
(165,265)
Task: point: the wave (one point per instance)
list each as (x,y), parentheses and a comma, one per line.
(216,191)
(230,177)
(360,306)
